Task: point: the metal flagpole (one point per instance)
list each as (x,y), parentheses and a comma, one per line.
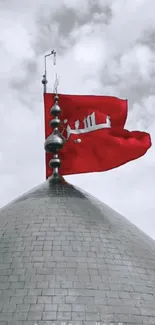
(44,80)
(55,141)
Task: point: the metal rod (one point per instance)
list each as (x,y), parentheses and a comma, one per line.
(44,80)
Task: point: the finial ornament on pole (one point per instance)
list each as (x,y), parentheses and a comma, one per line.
(55,141)
(44,80)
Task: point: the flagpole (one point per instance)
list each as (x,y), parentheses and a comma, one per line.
(55,141)
(44,80)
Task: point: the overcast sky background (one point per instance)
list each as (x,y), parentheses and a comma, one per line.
(103,47)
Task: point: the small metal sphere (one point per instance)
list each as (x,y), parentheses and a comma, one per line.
(55,110)
(55,122)
(54,142)
(56,98)
(44,80)
(55,162)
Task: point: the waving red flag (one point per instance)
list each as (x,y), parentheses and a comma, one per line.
(96,140)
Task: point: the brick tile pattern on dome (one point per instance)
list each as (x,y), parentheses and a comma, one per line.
(67,257)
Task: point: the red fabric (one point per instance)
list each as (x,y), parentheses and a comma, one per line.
(99,150)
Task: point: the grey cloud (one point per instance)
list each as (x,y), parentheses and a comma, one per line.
(31,69)
(57,26)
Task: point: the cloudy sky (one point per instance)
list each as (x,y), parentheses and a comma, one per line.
(103,47)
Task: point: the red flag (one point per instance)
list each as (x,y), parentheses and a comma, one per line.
(99,146)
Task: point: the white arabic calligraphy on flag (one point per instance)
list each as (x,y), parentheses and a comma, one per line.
(89,125)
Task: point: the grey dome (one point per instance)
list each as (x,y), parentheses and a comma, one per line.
(67,257)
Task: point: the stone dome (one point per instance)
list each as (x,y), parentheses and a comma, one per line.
(65,257)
